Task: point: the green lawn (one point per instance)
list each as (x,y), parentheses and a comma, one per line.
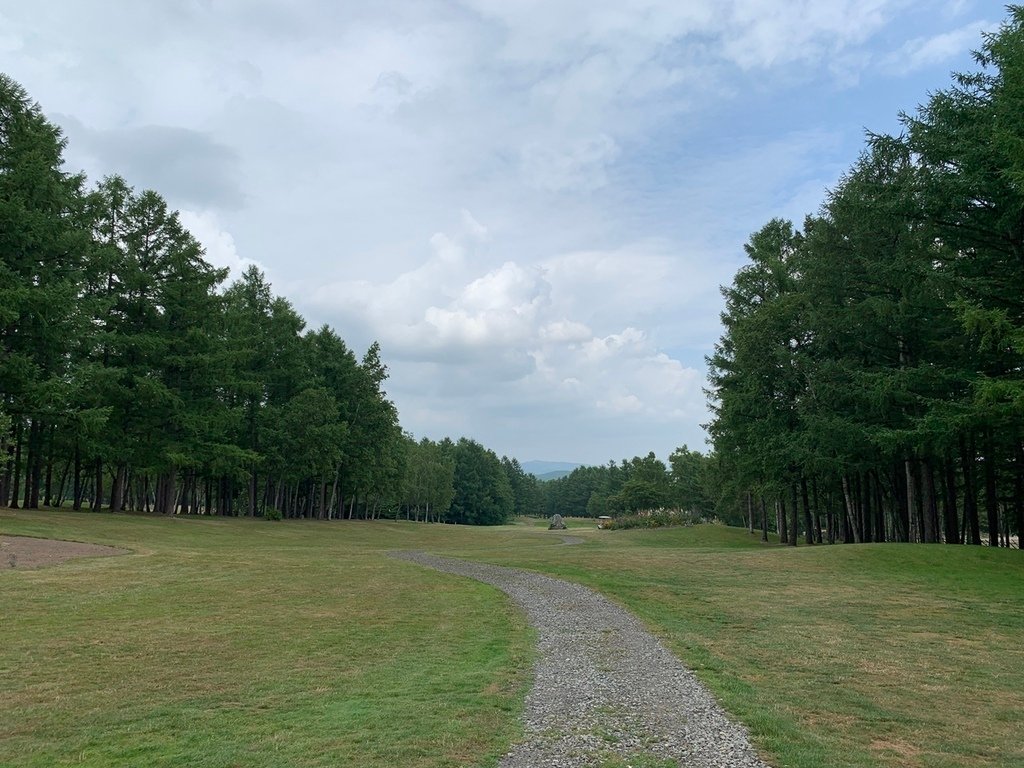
(247,643)
(871,655)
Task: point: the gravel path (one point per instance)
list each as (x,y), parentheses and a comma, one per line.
(605,691)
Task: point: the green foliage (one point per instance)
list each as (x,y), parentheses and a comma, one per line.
(664,519)
(483,493)
(641,484)
(871,365)
(124,358)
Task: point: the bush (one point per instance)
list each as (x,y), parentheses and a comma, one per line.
(660,519)
(272,513)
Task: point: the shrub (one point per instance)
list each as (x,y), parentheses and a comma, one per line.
(661,518)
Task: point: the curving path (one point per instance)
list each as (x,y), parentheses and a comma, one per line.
(605,690)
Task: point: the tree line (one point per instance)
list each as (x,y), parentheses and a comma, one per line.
(133,378)
(869,382)
(638,485)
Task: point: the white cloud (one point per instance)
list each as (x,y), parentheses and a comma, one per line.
(923,52)
(217,242)
(516,334)
(614,157)
(581,166)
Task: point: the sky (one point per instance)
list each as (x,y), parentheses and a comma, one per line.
(530,205)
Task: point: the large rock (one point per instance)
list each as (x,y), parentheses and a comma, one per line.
(556,523)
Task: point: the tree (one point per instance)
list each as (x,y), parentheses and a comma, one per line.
(688,481)
(41,255)
(483,494)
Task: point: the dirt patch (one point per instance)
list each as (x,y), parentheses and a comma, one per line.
(908,752)
(24,552)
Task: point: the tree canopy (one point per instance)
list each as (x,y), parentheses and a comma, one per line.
(872,363)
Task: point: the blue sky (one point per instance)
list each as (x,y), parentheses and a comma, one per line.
(531,205)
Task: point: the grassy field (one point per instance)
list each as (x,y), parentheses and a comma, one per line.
(249,643)
(234,642)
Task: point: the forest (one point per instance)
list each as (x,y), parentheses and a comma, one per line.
(868,385)
(133,378)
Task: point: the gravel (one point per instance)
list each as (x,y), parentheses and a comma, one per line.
(604,687)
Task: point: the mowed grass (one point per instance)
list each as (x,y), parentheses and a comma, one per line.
(249,643)
(236,642)
(871,655)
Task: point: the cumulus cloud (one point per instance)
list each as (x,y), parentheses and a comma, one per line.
(218,243)
(614,156)
(922,52)
(517,334)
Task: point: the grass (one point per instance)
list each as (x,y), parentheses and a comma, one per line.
(873,655)
(238,642)
(234,642)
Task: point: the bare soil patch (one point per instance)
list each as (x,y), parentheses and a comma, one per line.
(24,552)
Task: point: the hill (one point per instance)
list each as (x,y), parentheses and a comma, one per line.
(553,475)
(543,468)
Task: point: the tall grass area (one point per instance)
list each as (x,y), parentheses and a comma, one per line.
(850,655)
(249,643)
(237,642)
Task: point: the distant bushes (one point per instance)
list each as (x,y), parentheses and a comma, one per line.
(660,519)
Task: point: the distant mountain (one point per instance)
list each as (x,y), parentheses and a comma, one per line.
(543,468)
(553,475)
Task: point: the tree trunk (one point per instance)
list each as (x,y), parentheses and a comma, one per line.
(914,529)
(59,500)
(253,485)
(7,448)
(971,526)
(117,489)
(816,507)
(864,496)
(794,516)
(169,480)
(830,523)
(50,458)
(808,523)
(951,525)
(851,514)
(930,503)
(16,484)
(185,495)
(1018,492)
(991,501)
(34,465)
(97,498)
(334,494)
(764,520)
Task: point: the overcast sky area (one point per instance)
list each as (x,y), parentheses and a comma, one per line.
(531,205)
